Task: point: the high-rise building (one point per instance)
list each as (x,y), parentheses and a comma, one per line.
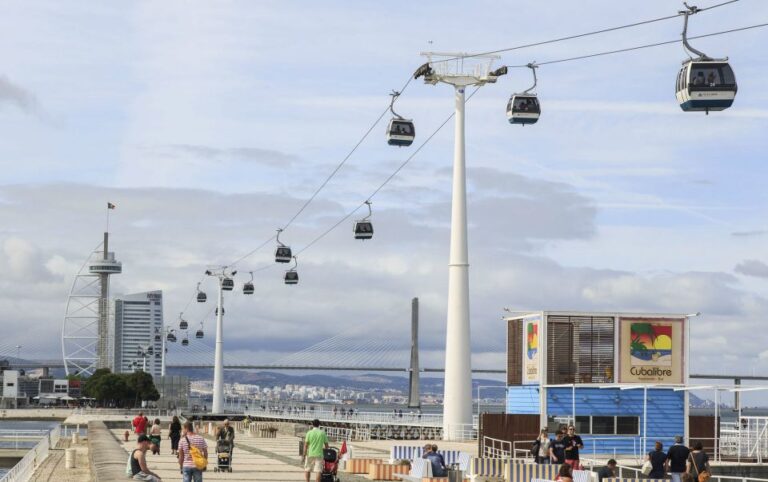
(138,332)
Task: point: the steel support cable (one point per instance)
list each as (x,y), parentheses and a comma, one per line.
(327,179)
(581,35)
(386,181)
(639,47)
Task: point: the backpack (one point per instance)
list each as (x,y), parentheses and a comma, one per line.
(201,463)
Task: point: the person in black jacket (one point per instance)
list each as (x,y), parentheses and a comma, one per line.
(657,457)
(677,456)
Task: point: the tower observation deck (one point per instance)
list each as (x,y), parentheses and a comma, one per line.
(85,336)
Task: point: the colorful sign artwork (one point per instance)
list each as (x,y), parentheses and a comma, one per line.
(651,350)
(531,349)
(651,344)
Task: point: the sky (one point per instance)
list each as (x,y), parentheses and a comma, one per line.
(209,125)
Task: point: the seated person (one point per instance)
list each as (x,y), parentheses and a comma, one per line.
(437,461)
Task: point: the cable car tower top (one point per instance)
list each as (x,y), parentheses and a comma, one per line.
(459,69)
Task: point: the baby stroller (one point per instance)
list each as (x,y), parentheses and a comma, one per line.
(330,465)
(223,456)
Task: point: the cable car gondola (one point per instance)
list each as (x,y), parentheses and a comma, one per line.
(185,341)
(199,333)
(201,297)
(282,253)
(524,108)
(227,284)
(400,131)
(183,325)
(158,338)
(216,312)
(248,286)
(292,276)
(364,227)
(171,337)
(703,84)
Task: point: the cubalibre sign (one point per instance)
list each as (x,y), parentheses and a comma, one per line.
(651,350)
(530,350)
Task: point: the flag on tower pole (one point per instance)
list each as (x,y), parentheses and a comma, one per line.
(110,205)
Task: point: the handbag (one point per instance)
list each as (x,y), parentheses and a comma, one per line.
(201,463)
(647,467)
(704,475)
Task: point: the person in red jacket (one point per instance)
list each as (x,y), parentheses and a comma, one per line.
(140,424)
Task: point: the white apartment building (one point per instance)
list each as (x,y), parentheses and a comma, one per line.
(138,329)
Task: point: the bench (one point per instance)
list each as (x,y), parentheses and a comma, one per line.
(527,472)
(486,469)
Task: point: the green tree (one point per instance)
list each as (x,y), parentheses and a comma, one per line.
(143,386)
(92,381)
(110,387)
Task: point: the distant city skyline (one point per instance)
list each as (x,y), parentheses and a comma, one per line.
(210,135)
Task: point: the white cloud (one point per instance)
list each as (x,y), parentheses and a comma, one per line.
(752,267)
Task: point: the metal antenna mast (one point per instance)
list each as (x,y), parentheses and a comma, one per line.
(459,70)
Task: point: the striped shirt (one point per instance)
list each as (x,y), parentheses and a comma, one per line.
(195,440)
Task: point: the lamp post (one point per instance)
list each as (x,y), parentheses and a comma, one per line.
(459,70)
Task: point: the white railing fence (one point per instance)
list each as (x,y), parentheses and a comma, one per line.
(496,449)
(22,471)
(342,414)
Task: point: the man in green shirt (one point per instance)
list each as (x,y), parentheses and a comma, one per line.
(314,443)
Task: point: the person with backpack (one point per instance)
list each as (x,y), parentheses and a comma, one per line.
(698,463)
(137,462)
(193,454)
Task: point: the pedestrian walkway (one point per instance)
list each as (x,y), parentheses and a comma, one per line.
(276,460)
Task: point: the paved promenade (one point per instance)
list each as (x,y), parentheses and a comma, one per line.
(274,459)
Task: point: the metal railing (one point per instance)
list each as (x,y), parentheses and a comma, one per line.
(496,449)
(343,415)
(16,439)
(23,470)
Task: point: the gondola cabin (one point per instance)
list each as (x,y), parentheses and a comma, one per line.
(183,325)
(184,342)
(227,284)
(201,297)
(363,230)
(523,109)
(283,254)
(705,85)
(400,132)
(291,277)
(248,288)
(199,334)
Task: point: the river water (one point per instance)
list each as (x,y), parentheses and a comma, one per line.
(22,425)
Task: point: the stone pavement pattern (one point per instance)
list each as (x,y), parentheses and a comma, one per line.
(278,462)
(53,467)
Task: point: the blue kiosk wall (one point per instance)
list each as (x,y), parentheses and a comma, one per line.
(665,411)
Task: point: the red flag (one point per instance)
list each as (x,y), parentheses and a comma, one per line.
(110,206)
(343,449)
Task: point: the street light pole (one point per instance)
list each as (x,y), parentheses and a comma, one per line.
(460,71)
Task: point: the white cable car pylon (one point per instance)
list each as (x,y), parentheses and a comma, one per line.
(524,108)
(364,227)
(400,131)
(703,83)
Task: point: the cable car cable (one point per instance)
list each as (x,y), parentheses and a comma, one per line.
(326,181)
(639,47)
(585,34)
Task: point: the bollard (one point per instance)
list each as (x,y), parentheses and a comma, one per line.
(69,458)
(75,438)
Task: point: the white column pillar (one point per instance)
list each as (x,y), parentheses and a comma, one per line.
(163,334)
(457,401)
(218,369)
